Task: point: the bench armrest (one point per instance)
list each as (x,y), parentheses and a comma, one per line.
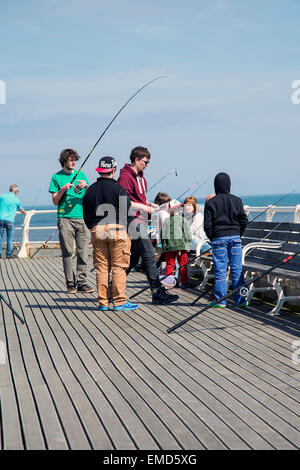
(251,246)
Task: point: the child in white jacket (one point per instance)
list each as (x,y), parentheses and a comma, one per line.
(195,219)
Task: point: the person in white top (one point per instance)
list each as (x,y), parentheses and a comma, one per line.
(195,219)
(162,200)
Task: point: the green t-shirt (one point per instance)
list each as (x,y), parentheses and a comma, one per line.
(70,205)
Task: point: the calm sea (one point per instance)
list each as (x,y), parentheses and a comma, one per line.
(49,220)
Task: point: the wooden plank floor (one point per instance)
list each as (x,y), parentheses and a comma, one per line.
(75,378)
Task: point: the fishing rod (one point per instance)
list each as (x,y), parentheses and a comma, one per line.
(202,254)
(95,145)
(272,205)
(161,179)
(44,244)
(189,189)
(261,213)
(12,309)
(199,187)
(180,267)
(171,274)
(235,291)
(110,123)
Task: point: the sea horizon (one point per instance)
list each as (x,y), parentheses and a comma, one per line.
(50,220)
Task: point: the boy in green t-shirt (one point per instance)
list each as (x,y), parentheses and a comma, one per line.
(68,199)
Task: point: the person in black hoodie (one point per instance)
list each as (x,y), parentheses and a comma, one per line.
(224,223)
(105,212)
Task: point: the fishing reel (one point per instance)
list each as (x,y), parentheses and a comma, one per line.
(243,292)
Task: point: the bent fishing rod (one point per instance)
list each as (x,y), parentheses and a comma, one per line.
(206,252)
(95,145)
(235,291)
(110,123)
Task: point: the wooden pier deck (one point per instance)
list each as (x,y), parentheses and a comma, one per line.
(75,378)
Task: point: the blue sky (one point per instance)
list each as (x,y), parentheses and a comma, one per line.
(225,105)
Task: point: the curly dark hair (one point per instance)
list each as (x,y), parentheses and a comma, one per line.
(65,154)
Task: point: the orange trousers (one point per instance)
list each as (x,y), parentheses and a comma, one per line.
(111,253)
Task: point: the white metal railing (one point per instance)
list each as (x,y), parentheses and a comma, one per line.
(269,212)
(24,250)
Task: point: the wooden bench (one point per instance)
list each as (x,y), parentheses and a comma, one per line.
(264,245)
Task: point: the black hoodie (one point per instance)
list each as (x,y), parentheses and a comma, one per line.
(224,214)
(106,194)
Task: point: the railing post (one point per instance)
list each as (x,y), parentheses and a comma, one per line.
(24,250)
(247,210)
(297,214)
(270,213)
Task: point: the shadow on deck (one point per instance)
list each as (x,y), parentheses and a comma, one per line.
(75,378)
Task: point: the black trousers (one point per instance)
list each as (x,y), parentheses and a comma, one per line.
(142,247)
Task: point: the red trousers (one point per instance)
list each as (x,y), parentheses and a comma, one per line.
(182,259)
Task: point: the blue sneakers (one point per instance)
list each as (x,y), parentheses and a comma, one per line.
(102,309)
(126,307)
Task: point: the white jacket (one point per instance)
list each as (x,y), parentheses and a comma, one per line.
(196,225)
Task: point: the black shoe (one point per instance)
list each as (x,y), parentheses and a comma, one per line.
(161,297)
(85,288)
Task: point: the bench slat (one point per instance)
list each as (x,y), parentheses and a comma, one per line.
(284,226)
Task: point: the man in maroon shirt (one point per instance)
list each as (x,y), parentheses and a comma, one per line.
(133,181)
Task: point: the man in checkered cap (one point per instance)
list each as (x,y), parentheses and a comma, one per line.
(105,210)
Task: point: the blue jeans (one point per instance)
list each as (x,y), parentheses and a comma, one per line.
(9,227)
(224,249)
